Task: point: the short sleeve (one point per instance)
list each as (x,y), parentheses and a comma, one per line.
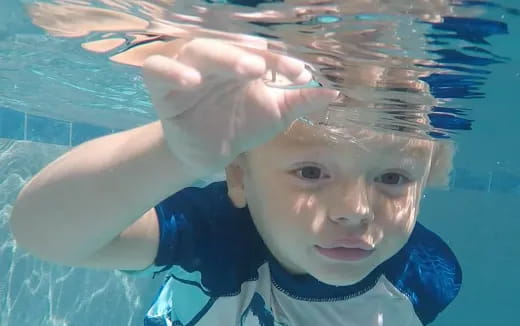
(427,271)
(149,271)
(201,230)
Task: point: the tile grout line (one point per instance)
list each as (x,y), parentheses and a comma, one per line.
(25,126)
(70,133)
(71,125)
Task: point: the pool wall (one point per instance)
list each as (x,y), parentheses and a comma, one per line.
(33,292)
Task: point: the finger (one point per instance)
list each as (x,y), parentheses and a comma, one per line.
(249,41)
(162,75)
(294,104)
(247,57)
(213,57)
(290,67)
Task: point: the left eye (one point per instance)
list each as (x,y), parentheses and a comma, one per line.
(310,172)
(392,178)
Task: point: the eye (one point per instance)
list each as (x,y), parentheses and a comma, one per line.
(392,178)
(310,173)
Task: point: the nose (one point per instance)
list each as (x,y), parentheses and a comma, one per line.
(353,208)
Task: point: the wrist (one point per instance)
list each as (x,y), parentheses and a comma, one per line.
(160,164)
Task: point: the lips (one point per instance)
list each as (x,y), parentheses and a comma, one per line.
(344,254)
(350,243)
(346,250)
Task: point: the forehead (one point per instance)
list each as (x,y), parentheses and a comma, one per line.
(301,135)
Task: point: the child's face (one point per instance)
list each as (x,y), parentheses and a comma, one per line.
(308,194)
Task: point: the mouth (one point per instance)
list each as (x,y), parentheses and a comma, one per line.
(346,250)
(344,254)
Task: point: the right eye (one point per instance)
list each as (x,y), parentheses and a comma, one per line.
(310,173)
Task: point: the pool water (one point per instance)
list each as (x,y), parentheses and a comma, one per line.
(43,112)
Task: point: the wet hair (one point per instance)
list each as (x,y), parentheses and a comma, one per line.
(442,150)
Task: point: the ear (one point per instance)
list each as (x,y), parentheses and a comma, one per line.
(235,181)
(442,164)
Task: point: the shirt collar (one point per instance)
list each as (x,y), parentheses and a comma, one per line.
(306,287)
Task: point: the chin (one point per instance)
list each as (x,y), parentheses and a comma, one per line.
(342,279)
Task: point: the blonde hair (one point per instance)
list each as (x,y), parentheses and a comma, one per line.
(442,150)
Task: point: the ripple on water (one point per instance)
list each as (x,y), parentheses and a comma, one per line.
(397,63)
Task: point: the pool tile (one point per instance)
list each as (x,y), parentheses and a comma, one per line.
(82,132)
(11,124)
(46,130)
(504,182)
(470,180)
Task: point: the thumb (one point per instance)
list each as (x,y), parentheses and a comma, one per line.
(300,102)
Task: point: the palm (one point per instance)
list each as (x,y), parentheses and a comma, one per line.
(221,110)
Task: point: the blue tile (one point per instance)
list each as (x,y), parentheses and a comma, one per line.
(46,130)
(82,132)
(471,180)
(11,124)
(504,182)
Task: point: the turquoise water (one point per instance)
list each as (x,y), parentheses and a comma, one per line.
(482,227)
(478,217)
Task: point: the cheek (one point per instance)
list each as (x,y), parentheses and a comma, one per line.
(292,215)
(397,215)
(269,205)
(395,220)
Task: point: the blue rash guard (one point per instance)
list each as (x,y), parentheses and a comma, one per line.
(219,272)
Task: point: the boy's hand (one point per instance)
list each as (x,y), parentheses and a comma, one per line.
(214,105)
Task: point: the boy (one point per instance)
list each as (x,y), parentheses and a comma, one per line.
(314,225)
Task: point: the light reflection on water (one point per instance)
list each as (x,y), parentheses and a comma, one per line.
(403,69)
(398,64)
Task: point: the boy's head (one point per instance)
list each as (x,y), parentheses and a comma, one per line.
(309,194)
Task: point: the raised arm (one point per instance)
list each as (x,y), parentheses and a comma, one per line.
(81,202)
(93,206)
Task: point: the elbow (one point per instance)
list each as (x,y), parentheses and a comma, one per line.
(28,236)
(19,222)
(16,225)
(23,235)
(35,238)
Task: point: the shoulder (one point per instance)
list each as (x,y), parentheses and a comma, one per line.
(202,232)
(427,272)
